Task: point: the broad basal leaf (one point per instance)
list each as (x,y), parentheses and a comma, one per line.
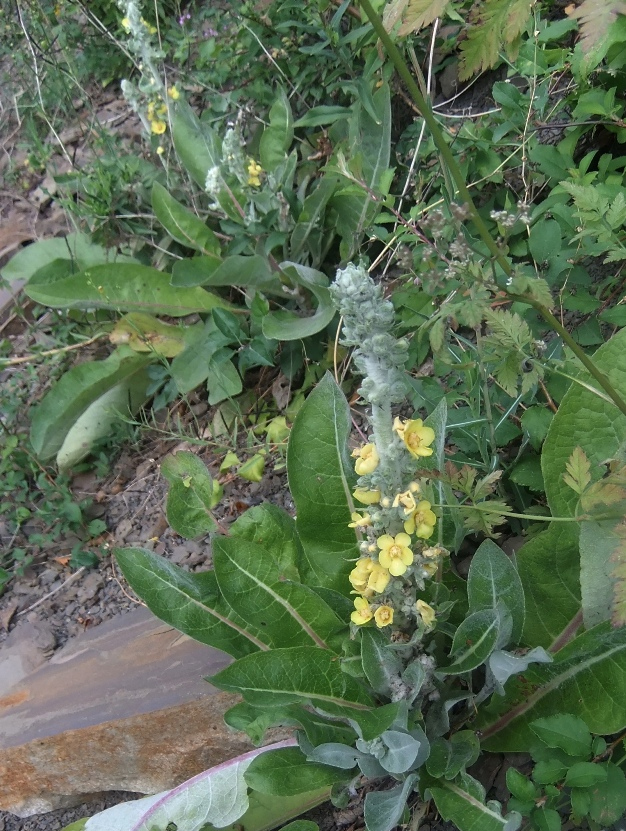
(285,325)
(321,482)
(145,333)
(282,676)
(289,614)
(125,287)
(493,582)
(469,811)
(576,682)
(274,529)
(182,224)
(549,565)
(190,603)
(77,251)
(76,391)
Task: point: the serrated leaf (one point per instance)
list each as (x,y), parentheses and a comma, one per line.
(585,775)
(578,469)
(596,18)
(498,23)
(567,732)
(420,13)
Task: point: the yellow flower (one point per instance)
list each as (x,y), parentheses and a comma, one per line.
(383,616)
(366,459)
(158,127)
(360,521)
(378,579)
(395,553)
(254,171)
(160,150)
(173,93)
(426,612)
(422,521)
(126,23)
(363,613)
(366,497)
(416,436)
(359,575)
(407,500)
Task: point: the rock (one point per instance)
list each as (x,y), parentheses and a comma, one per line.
(120,707)
(90,586)
(27,647)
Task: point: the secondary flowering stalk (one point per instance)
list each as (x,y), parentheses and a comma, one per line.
(395,562)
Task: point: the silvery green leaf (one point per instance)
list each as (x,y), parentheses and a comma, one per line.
(437,718)
(424,749)
(381,663)
(401,753)
(335,754)
(504,664)
(384,809)
(371,767)
(493,583)
(414,676)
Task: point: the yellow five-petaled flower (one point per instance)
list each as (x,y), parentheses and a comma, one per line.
(368,577)
(363,613)
(395,553)
(366,459)
(422,521)
(416,436)
(383,616)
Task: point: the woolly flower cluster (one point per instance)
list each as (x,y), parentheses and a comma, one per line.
(149,98)
(395,560)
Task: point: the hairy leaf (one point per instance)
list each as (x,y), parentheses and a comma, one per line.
(190,603)
(321,480)
(302,673)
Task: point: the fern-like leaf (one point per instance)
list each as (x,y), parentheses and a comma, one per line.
(578,469)
(595,18)
(498,24)
(420,13)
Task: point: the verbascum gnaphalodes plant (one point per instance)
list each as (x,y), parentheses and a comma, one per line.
(396,560)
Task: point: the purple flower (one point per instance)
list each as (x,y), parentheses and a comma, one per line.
(209,33)
(183,18)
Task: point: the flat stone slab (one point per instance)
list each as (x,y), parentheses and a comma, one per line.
(121,707)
